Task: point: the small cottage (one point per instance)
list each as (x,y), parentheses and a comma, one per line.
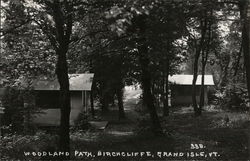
(181,88)
(47,98)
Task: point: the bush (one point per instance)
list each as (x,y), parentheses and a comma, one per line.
(233,97)
(13,104)
(81,123)
(231,120)
(12,147)
(17,116)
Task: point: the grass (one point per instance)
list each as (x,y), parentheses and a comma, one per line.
(227,133)
(220,131)
(229,139)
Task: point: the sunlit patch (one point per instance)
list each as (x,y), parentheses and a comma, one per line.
(121,133)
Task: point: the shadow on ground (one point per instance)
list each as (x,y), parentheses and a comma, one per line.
(224,132)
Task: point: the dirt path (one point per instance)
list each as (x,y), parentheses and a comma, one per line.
(126,126)
(229,138)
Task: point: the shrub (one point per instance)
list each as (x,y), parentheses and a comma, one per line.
(233,97)
(81,122)
(17,116)
(231,120)
(12,147)
(13,104)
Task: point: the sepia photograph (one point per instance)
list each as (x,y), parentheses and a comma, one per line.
(124,80)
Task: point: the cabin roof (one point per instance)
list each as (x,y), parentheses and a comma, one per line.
(182,79)
(78,82)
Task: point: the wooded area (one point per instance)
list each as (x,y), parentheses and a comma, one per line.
(139,43)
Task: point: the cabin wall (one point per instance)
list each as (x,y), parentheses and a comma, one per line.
(51,117)
(76,99)
(76,105)
(181,95)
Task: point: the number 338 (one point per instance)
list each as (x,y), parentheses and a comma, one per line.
(197,146)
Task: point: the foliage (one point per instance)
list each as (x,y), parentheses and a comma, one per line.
(27,53)
(12,147)
(135,23)
(76,136)
(81,122)
(17,116)
(118,41)
(233,97)
(231,120)
(162,40)
(13,105)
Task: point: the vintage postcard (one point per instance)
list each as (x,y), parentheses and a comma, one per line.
(125,80)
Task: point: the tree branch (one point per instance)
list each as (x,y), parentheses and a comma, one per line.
(236,67)
(69,17)
(75,41)
(46,31)
(59,21)
(4,32)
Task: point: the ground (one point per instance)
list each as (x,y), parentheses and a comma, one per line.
(215,131)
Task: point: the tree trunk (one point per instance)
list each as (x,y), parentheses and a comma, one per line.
(63,23)
(245,18)
(92,103)
(104,98)
(204,63)
(119,94)
(145,74)
(224,73)
(237,64)
(63,79)
(203,25)
(119,91)
(166,88)
(202,94)
(104,102)
(146,86)
(144,103)
(195,75)
(93,87)
(26,119)
(28,104)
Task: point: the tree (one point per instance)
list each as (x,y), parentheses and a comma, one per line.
(212,45)
(150,44)
(26,55)
(138,38)
(244,6)
(59,35)
(199,49)
(200,36)
(55,19)
(166,43)
(145,75)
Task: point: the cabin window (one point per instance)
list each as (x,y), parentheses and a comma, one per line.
(47,99)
